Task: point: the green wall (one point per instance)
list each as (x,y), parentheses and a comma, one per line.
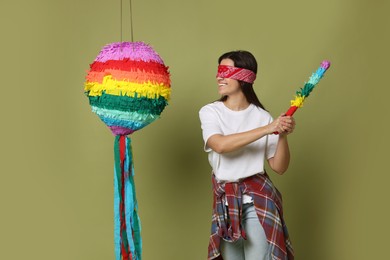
(56,183)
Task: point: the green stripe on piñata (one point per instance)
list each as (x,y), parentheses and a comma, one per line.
(125,103)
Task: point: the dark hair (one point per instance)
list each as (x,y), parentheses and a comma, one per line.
(246,60)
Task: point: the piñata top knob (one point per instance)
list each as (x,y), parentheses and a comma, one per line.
(128,86)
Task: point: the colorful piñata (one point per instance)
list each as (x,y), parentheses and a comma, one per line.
(128,87)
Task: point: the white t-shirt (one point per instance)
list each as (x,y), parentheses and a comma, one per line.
(216,118)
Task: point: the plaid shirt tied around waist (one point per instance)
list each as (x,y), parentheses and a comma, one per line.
(267,200)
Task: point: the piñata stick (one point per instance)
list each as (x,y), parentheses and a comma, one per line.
(304,92)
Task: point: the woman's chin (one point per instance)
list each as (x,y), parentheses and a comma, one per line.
(221,92)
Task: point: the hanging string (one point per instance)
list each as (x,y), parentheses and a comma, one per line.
(131,20)
(120,21)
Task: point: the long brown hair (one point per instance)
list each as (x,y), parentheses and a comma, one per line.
(246,60)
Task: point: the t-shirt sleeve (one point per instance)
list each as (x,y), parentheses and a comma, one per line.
(209,124)
(272,143)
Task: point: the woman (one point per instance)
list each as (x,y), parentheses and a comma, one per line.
(238,132)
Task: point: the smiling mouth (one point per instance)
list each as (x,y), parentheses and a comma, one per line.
(222,84)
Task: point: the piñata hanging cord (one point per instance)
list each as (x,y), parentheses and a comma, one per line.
(304,92)
(131,21)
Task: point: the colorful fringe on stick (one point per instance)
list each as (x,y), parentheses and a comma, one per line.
(304,92)
(128,87)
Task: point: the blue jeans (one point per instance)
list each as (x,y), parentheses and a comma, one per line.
(255,247)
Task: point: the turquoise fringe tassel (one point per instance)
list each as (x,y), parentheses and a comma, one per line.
(130,238)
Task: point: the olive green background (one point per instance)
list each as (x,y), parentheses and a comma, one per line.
(56,185)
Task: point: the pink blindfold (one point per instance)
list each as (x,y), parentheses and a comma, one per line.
(231,72)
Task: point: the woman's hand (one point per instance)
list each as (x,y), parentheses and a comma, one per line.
(283,125)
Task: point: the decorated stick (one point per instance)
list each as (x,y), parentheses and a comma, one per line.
(304,92)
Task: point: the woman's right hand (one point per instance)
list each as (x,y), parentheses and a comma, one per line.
(282,125)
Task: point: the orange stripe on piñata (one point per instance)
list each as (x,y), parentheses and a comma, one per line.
(130,65)
(137,77)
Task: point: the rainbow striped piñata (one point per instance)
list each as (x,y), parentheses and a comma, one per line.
(128,87)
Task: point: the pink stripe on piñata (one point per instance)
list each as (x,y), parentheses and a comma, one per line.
(132,50)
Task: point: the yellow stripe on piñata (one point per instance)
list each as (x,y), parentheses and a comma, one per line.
(126,88)
(298,101)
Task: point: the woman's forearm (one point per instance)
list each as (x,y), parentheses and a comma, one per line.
(279,163)
(229,143)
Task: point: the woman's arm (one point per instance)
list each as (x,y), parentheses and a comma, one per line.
(229,143)
(279,163)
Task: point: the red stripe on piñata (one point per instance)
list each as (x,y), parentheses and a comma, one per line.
(130,65)
(131,76)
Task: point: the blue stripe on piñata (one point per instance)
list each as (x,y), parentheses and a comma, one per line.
(124,115)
